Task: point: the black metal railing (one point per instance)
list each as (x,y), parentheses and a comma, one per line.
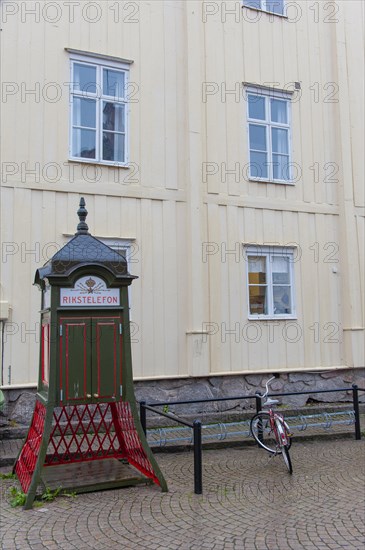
(196,425)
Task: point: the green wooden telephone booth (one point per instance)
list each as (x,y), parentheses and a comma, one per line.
(85,432)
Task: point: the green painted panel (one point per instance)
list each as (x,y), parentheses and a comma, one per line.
(106,357)
(75,335)
(90,358)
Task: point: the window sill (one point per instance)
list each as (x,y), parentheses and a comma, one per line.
(276,182)
(272,317)
(100,162)
(265,11)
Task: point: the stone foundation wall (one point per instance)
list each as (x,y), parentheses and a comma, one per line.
(19,404)
(241,385)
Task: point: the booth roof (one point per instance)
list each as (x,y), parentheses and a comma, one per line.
(84,250)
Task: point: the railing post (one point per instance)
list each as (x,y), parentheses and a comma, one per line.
(142,416)
(258,402)
(355,398)
(259,409)
(198,484)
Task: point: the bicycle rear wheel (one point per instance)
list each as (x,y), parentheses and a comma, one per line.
(283,429)
(261,431)
(287,459)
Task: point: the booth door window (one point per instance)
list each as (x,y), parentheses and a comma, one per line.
(90,358)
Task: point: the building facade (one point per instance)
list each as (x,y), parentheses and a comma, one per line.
(219,145)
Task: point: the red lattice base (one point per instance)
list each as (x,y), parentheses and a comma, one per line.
(129,439)
(81,433)
(27,460)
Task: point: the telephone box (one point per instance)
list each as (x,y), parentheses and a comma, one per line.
(85,432)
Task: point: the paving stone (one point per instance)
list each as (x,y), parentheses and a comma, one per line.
(248,503)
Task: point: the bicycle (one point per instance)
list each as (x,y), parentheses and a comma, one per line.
(271,431)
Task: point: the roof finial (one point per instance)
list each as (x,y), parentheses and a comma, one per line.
(82,227)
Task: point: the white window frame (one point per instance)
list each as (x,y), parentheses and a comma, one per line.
(268,94)
(269,252)
(99,63)
(264,7)
(120,245)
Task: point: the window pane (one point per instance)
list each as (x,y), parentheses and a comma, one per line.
(279,111)
(258,138)
(84,112)
(258,165)
(113,83)
(113,117)
(275,6)
(252,4)
(257,270)
(281,167)
(83,143)
(282,301)
(280,270)
(256,107)
(258,301)
(280,139)
(113,147)
(84,78)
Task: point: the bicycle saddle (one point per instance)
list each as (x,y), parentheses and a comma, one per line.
(270,401)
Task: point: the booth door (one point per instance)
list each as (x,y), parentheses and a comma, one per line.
(90,358)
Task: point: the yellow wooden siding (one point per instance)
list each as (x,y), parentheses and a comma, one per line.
(311,340)
(169,205)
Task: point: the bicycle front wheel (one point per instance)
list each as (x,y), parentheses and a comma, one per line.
(261,431)
(286,457)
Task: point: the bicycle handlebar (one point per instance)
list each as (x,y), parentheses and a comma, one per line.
(267,388)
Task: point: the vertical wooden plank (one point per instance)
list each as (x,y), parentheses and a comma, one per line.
(251,43)
(354,60)
(318,107)
(131,226)
(234,104)
(328,267)
(113,219)
(170,290)
(257,354)
(249,225)
(152,111)
(309,277)
(129,219)
(197,225)
(213,259)
(101,214)
(330,96)
(24,262)
(182,286)
(265,31)
(61,224)
(70,216)
(295,335)
(10,251)
(172,122)
(305,112)
(215,106)
(235,289)
(224,321)
(147,290)
(270,227)
(259,226)
(156,315)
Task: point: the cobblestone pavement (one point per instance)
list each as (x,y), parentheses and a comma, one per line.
(250,502)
